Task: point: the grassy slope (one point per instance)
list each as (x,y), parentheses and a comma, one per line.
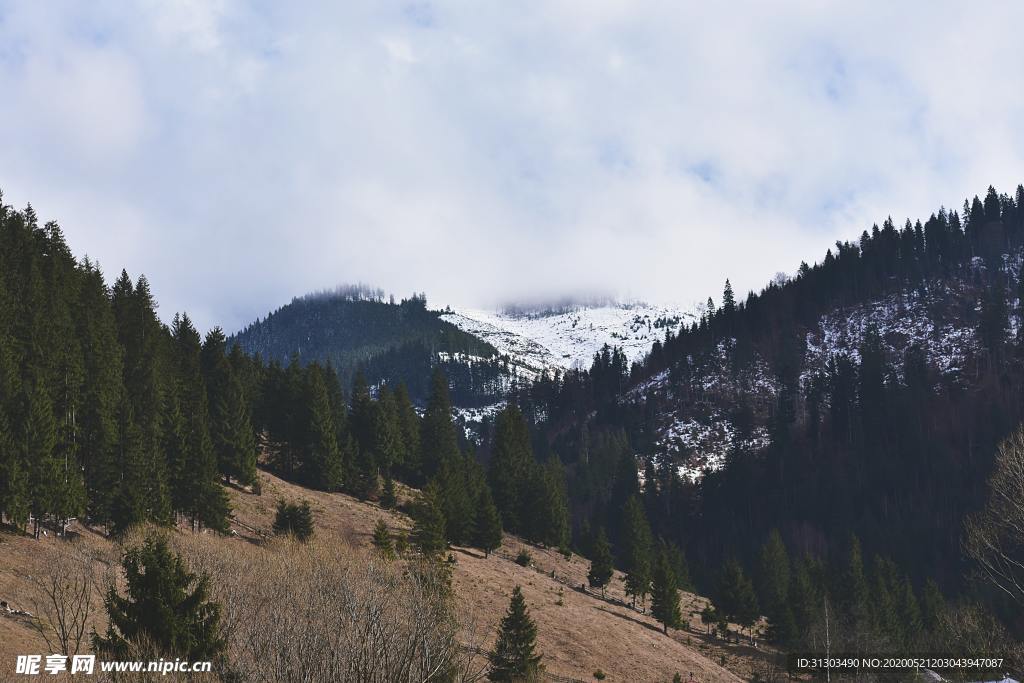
(578,633)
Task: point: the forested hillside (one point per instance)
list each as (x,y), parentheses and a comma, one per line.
(842,418)
(854,409)
(104,411)
(356,329)
(108,415)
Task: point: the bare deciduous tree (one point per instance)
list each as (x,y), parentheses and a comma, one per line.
(995,536)
(305,612)
(65,593)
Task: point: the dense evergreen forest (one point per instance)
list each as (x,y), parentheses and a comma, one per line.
(855,505)
(878,453)
(108,415)
(356,330)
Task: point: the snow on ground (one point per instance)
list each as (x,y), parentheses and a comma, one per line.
(570,339)
(901,321)
(703,445)
(472,419)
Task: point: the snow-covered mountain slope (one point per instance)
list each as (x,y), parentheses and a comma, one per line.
(569,339)
(939,317)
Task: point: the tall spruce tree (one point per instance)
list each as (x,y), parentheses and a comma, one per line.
(728,299)
(387,434)
(38,440)
(237,448)
(321,461)
(14,499)
(143,339)
(487,531)
(514,657)
(601,568)
(410,464)
(428,531)
(680,568)
(735,597)
(665,592)
(230,423)
(853,590)
(510,467)
(166,607)
(102,389)
(205,502)
(773,578)
(439,441)
(637,549)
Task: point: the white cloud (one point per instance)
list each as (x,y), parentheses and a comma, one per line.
(241,156)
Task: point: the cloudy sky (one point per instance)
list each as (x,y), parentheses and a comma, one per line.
(243,153)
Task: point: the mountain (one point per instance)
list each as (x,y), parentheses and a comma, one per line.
(811,454)
(357,330)
(568,335)
(863,397)
(483,353)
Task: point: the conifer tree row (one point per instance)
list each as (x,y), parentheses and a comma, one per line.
(104,411)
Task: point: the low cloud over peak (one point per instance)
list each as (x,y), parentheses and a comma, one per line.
(240,156)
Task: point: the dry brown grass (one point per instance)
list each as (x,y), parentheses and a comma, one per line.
(317,596)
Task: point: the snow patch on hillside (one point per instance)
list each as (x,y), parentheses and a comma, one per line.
(702,445)
(472,419)
(566,340)
(940,318)
(923,318)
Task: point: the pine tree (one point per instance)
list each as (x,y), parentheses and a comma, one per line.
(884,614)
(933,607)
(14,499)
(487,532)
(387,436)
(853,589)
(601,568)
(128,505)
(736,598)
(38,439)
(542,516)
(238,440)
(679,567)
(513,658)
(145,379)
(230,423)
(205,502)
(361,420)
(510,466)
(803,596)
(665,593)
(294,519)
(175,447)
(321,462)
(439,440)
(382,539)
(773,577)
(388,496)
(428,531)
(909,613)
(102,389)
(459,482)
(728,299)
(410,462)
(708,617)
(637,550)
(166,607)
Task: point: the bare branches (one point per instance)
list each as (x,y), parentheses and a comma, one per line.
(66,591)
(307,612)
(995,536)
